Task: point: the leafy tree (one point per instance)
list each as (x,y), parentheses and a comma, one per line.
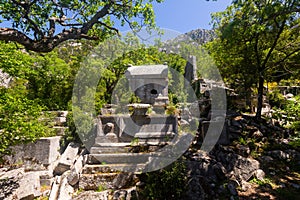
(42,25)
(13,61)
(49,78)
(257,41)
(51,81)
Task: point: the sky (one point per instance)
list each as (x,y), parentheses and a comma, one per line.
(183,16)
(187,15)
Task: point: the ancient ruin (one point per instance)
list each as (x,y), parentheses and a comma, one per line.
(133,139)
(146,138)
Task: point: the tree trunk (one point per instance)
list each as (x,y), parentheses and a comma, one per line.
(248,97)
(260,97)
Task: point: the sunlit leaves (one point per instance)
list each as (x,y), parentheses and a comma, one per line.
(33,17)
(257,39)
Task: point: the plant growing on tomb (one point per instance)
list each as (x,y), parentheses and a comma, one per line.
(134,142)
(101,188)
(172,110)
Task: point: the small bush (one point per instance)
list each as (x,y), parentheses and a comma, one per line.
(166,183)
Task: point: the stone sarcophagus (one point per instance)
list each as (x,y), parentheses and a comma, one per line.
(149,83)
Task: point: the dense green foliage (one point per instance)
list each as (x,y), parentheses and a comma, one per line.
(286,111)
(168,183)
(257,41)
(42,25)
(21,118)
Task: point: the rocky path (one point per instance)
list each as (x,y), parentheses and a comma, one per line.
(260,162)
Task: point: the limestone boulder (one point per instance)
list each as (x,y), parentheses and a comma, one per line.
(16,184)
(76,169)
(245,168)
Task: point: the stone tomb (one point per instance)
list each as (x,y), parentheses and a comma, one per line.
(131,139)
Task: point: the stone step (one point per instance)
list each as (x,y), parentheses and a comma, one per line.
(153,135)
(120,144)
(111,168)
(149,128)
(134,147)
(158,141)
(138,142)
(94,181)
(118,158)
(108,149)
(60,130)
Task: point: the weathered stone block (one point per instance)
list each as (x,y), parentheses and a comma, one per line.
(46,178)
(245,168)
(94,181)
(9,182)
(66,190)
(67,159)
(16,184)
(44,151)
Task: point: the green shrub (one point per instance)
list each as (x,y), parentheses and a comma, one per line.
(276,99)
(168,183)
(289,114)
(21,119)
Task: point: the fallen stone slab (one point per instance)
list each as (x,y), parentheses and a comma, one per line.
(55,188)
(73,176)
(65,191)
(12,173)
(67,159)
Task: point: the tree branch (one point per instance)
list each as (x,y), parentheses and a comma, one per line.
(100,14)
(46,44)
(288,56)
(274,44)
(109,27)
(49,42)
